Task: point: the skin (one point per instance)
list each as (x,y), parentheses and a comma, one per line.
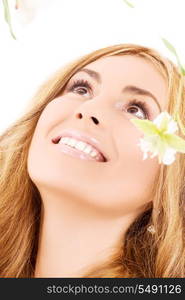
(88,205)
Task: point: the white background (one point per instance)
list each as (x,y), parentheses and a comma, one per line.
(50,33)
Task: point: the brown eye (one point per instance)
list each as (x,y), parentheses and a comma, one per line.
(139,108)
(80,87)
(79,90)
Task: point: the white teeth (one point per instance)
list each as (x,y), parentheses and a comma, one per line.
(88,149)
(71,142)
(93,154)
(65,139)
(79,145)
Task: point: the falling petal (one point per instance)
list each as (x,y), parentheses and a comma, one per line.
(172,49)
(169,46)
(128,3)
(7,17)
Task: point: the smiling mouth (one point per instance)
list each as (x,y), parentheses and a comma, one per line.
(73,151)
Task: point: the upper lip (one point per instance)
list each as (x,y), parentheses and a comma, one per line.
(82,137)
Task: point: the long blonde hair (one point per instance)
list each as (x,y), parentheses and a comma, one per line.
(142,254)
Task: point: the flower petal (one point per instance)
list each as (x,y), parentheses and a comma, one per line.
(162,119)
(145,126)
(169,157)
(175,142)
(159,138)
(162,147)
(172,127)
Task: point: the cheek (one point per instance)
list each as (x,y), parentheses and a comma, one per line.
(55,112)
(127,142)
(131,156)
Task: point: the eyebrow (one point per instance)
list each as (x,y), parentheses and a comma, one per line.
(134,90)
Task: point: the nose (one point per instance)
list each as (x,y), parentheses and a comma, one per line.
(80,115)
(97,110)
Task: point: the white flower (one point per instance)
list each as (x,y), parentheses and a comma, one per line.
(159,138)
(165,122)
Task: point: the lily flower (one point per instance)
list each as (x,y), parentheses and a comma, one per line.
(159,138)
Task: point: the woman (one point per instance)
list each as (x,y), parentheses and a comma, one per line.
(100,211)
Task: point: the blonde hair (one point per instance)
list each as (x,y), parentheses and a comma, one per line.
(141,254)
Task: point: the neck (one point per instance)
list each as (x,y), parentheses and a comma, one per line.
(75,237)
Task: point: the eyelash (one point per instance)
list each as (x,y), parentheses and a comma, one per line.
(84,83)
(80,82)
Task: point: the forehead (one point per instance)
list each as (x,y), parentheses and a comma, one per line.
(126,63)
(122,70)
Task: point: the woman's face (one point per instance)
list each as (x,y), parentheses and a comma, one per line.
(108,89)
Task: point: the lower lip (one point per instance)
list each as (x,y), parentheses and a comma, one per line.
(74,152)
